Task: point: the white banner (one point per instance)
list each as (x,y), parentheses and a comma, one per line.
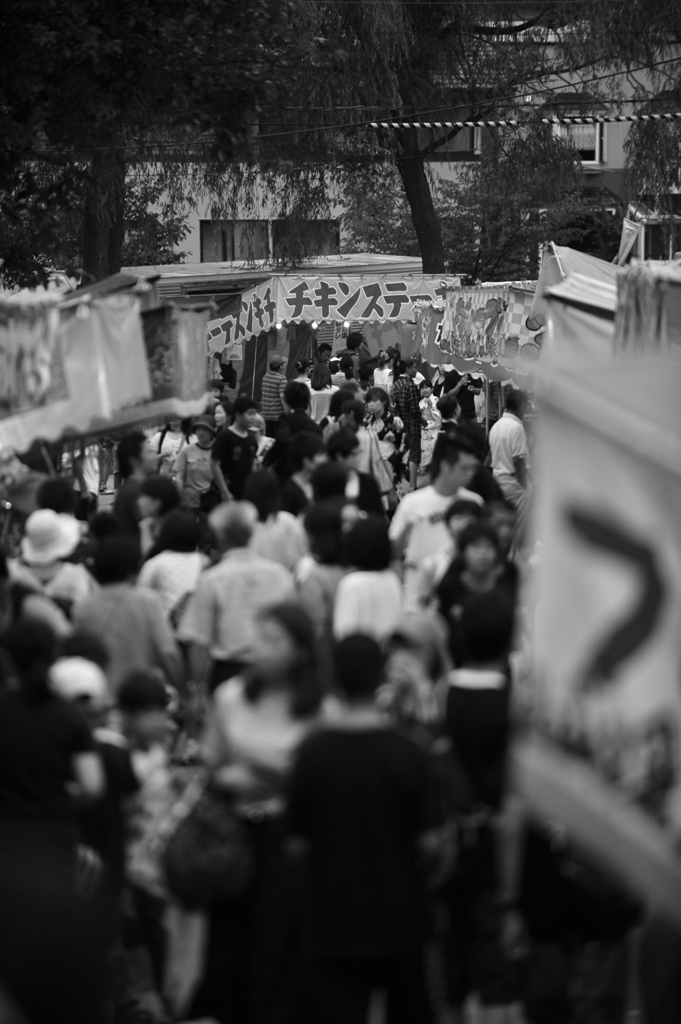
(606,600)
(332,298)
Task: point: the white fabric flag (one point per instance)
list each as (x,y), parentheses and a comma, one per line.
(606,614)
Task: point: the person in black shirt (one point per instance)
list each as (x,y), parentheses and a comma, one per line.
(474,710)
(295,420)
(233,451)
(361,808)
(361,488)
(465,387)
(136,461)
(305,452)
(478,569)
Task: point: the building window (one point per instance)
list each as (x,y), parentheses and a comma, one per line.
(249,240)
(588,140)
(234,240)
(306,238)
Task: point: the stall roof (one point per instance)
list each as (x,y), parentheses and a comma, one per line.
(596,297)
(231,278)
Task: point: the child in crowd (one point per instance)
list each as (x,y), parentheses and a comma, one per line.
(431,421)
(361,809)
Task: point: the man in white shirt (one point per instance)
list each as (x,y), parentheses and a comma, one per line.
(511,456)
(418,527)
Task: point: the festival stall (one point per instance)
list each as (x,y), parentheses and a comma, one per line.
(290,312)
(87,362)
(603,692)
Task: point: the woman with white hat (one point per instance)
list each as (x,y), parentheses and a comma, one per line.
(49,538)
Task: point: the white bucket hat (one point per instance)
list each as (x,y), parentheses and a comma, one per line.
(49,536)
(75,678)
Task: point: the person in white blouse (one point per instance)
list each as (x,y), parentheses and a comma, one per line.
(368,600)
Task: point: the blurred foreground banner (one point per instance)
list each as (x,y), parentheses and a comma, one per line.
(99,365)
(605,687)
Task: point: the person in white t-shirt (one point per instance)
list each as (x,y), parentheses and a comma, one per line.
(418,527)
(369,599)
(511,456)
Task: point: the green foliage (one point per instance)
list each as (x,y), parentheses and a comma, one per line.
(154,227)
(45,230)
(493,215)
(87,85)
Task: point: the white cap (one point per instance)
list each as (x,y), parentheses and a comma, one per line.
(73,678)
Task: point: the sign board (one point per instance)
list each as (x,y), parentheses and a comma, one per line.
(494,328)
(334,298)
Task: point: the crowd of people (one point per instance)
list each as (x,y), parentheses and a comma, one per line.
(318,621)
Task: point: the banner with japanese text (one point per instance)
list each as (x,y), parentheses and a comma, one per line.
(289,298)
(604,693)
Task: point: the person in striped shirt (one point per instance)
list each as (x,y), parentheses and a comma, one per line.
(273,384)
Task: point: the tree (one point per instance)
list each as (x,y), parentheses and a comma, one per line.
(43,236)
(415,60)
(90,88)
(493,217)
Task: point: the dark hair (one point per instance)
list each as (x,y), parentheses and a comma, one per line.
(448,448)
(405,364)
(262,490)
(116,560)
(342,443)
(162,489)
(243,404)
(478,531)
(447,405)
(297,395)
(179,532)
(367,545)
(82,644)
(354,408)
(129,448)
(358,665)
(330,479)
(216,382)
(324,347)
(462,507)
(366,373)
(426,383)
(324,528)
(304,681)
(379,394)
(321,377)
(31,645)
(354,340)
(303,365)
(303,446)
(487,623)
(347,366)
(142,691)
(338,400)
(102,525)
(58,494)
(516,401)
